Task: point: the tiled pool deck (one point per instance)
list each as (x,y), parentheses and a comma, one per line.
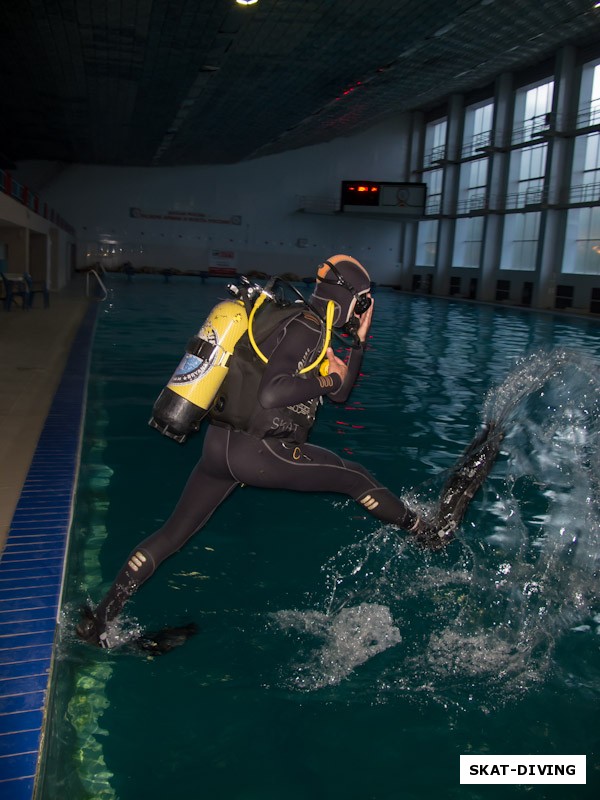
(31,574)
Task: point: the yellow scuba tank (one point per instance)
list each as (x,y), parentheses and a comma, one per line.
(187,398)
(189,394)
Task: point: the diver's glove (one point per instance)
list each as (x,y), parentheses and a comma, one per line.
(432,534)
(91,630)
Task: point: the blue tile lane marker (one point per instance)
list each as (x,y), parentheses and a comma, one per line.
(32,573)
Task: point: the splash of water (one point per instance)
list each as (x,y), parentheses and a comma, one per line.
(481,622)
(346,640)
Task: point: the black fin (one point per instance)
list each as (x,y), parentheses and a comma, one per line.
(468,475)
(88,629)
(461,486)
(166,639)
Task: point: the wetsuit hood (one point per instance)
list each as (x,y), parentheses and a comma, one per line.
(341,279)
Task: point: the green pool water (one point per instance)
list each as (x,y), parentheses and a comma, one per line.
(335,659)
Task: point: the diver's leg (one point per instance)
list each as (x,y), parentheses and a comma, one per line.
(274,464)
(271,463)
(208,485)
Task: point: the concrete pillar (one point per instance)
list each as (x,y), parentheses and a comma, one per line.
(38,256)
(54,279)
(17,249)
(497,178)
(558,177)
(447,226)
(409,245)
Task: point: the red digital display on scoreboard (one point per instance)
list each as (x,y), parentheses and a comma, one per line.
(384,199)
(360,193)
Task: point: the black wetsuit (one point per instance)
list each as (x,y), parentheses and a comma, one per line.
(271,452)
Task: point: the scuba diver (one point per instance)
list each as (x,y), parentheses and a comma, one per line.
(258,435)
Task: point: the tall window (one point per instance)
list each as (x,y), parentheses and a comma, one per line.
(585,179)
(435,150)
(589,96)
(477,129)
(520,241)
(427,243)
(472,191)
(526,176)
(435,142)
(467,242)
(582,246)
(533,111)
(528,164)
(582,241)
(434,181)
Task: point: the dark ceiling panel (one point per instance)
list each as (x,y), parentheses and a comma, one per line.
(163,82)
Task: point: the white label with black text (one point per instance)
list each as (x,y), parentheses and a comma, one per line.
(522,769)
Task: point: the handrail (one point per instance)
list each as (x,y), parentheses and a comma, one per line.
(87,284)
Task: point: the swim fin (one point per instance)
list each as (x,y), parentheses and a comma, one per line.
(460,487)
(166,639)
(90,630)
(468,475)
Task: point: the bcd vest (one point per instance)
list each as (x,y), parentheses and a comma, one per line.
(237,406)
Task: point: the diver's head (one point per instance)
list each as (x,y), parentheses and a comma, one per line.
(346,282)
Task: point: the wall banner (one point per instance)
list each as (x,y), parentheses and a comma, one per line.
(185,216)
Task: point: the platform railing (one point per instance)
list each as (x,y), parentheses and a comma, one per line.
(100,283)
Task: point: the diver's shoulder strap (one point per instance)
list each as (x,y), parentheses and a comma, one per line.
(273,316)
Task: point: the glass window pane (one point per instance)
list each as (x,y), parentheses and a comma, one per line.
(582,242)
(427,243)
(520,241)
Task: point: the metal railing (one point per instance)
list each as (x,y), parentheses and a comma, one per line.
(100,283)
(476,144)
(585,193)
(23,194)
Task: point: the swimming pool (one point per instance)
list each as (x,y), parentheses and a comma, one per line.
(334,659)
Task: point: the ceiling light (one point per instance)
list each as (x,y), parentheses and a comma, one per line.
(246,2)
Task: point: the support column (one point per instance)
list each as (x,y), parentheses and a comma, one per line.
(17,249)
(454,132)
(38,256)
(558,177)
(497,179)
(54,281)
(409,247)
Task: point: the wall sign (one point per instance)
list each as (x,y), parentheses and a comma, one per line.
(185,216)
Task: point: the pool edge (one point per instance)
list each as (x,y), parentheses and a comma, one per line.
(32,569)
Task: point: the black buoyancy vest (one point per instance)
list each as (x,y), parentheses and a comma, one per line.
(236,404)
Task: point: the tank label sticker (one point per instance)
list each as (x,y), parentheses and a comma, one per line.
(191,368)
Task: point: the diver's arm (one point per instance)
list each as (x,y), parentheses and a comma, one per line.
(348,372)
(348,375)
(281,385)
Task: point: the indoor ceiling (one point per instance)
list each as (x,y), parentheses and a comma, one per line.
(172,82)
